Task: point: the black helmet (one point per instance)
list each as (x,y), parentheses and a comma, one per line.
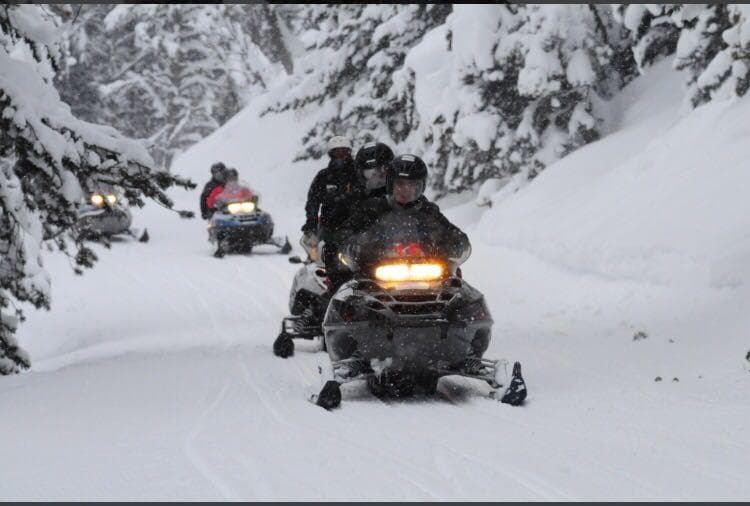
(406,167)
(218,171)
(371,156)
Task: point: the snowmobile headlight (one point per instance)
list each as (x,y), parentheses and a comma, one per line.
(97,200)
(111,199)
(394,273)
(241,207)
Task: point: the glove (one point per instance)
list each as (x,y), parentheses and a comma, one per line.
(353,250)
(309,243)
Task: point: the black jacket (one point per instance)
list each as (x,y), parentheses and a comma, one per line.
(205,211)
(378,192)
(333,192)
(441,231)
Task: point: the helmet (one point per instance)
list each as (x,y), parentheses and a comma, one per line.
(218,171)
(232,174)
(409,167)
(371,156)
(338,142)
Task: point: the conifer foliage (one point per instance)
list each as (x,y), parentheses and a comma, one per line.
(169,73)
(522,88)
(48,158)
(710,43)
(353,56)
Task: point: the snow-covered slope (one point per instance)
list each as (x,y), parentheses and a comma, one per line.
(154,377)
(658,212)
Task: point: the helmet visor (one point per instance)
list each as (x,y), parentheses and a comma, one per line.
(374,177)
(340,153)
(407,190)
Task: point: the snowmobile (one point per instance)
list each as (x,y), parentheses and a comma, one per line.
(238,224)
(104,213)
(308,300)
(406,319)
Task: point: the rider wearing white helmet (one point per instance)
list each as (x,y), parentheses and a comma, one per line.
(332,186)
(332,194)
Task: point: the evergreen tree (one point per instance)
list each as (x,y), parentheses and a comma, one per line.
(710,44)
(171,74)
(160,87)
(351,53)
(86,49)
(714,49)
(47,157)
(653,29)
(525,86)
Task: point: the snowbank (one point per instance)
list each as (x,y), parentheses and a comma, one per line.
(660,201)
(644,231)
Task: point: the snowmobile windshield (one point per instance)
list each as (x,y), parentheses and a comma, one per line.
(400,238)
(236,192)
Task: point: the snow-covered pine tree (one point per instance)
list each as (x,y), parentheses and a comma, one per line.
(653,29)
(714,49)
(169,73)
(158,88)
(522,87)
(86,58)
(711,43)
(47,157)
(265,25)
(350,69)
(251,43)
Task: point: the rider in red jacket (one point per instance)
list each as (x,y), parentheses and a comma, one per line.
(211,199)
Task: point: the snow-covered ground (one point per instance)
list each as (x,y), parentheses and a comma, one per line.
(153,375)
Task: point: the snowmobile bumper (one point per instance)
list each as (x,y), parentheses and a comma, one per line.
(241,230)
(106,221)
(429,331)
(415,345)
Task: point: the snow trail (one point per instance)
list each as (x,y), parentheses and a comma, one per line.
(153,375)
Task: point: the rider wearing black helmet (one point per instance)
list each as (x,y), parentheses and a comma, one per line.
(218,178)
(372,163)
(406,180)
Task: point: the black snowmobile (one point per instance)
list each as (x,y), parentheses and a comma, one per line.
(238,224)
(104,213)
(407,319)
(308,300)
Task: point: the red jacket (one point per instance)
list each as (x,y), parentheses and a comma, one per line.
(212,196)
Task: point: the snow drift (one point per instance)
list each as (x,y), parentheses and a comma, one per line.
(618,277)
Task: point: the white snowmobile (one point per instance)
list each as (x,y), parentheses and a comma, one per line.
(308,300)
(407,319)
(104,213)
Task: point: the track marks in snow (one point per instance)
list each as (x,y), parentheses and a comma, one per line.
(193,453)
(330,430)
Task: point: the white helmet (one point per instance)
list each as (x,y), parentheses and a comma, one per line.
(339,141)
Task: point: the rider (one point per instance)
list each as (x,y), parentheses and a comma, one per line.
(405,184)
(332,194)
(218,178)
(233,190)
(372,162)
